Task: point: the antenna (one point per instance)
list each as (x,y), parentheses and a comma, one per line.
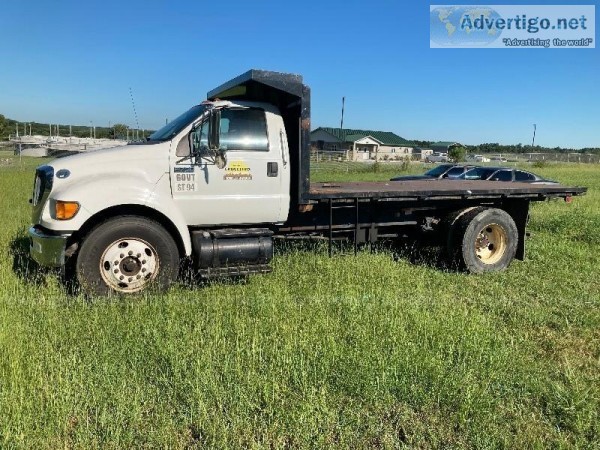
(533,141)
(137,124)
(342,121)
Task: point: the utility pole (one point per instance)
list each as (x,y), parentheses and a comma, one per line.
(342,123)
(91,129)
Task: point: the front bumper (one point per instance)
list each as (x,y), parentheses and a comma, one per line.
(47,249)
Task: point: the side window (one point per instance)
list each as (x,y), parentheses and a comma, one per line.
(454,172)
(523,176)
(244,129)
(502,175)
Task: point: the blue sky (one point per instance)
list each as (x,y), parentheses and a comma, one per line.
(74,62)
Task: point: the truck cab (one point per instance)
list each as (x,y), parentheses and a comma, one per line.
(219,164)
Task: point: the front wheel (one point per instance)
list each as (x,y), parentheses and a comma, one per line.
(483,240)
(126,255)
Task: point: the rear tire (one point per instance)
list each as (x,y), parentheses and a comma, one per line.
(483,240)
(125,255)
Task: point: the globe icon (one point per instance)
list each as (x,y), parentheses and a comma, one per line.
(456,26)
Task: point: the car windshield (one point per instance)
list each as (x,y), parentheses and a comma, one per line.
(170,130)
(437,171)
(478,173)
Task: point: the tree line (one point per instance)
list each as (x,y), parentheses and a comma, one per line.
(495,148)
(520,148)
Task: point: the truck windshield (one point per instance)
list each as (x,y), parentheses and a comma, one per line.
(170,130)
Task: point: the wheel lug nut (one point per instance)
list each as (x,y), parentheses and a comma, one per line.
(144,261)
(121,278)
(130,279)
(130,253)
(138,277)
(143,269)
(116,263)
(116,270)
(122,255)
(139,255)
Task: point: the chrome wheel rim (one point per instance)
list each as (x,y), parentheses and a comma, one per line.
(129,265)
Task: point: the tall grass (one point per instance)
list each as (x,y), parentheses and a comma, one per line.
(342,352)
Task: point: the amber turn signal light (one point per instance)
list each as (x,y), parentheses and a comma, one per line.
(66,210)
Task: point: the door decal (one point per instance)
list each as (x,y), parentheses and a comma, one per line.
(237,170)
(185,182)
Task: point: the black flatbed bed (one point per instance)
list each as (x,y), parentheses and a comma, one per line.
(439,190)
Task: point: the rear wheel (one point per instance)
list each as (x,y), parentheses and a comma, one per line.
(126,255)
(483,240)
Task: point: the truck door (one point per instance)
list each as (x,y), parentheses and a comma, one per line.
(249,189)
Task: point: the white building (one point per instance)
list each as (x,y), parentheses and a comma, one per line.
(357,145)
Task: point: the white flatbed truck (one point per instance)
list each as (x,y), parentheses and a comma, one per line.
(220,181)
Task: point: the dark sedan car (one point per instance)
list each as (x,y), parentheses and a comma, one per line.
(441,171)
(503,174)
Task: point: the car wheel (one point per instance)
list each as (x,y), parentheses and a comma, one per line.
(125,255)
(483,240)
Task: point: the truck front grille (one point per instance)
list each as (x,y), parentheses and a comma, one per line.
(42,185)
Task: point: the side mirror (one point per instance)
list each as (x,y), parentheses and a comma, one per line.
(214,130)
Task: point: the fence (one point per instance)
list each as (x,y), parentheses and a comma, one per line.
(585,158)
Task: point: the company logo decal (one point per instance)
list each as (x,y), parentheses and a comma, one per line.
(237,170)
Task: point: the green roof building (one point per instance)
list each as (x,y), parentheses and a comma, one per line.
(359,145)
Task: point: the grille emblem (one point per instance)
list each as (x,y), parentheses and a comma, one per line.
(63,173)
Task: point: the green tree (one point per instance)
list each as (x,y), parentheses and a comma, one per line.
(2,127)
(119,131)
(458,153)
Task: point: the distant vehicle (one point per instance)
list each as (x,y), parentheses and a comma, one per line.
(503,174)
(478,158)
(437,157)
(438,172)
(497,159)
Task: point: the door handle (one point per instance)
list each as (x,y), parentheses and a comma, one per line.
(282,148)
(272,169)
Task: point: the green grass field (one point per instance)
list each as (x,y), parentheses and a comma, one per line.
(365,352)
